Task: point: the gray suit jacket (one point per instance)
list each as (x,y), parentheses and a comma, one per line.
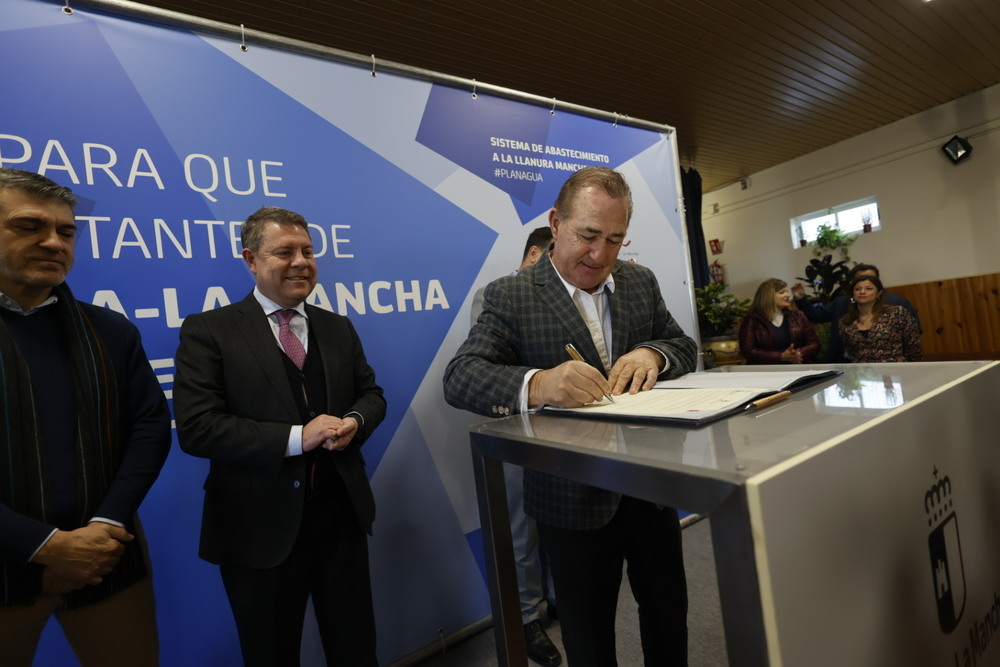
(234,405)
(526,322)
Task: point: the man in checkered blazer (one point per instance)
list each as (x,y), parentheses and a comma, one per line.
(515,360)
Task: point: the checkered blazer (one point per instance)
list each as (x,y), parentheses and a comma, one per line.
(526,322)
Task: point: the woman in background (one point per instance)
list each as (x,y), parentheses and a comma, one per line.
(873,331)
(775,331)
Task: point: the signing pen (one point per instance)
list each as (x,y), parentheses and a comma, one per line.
(571,351)
(769,400)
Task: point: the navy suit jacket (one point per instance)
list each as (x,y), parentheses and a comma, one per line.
(526,322)
(234,405)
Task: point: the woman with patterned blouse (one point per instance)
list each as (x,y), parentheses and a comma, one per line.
(875,332)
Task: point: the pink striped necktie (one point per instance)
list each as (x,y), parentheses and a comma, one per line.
(290,343)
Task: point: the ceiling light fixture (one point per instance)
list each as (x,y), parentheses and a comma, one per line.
(957,149)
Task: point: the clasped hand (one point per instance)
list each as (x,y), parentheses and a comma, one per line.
(575,383)
(328,432)
(76,558)
(791,355)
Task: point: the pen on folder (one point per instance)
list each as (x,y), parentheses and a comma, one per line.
(571,351)
(769,400)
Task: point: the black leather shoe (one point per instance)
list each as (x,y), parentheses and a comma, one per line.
(540,647)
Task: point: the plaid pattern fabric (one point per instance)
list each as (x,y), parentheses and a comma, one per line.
(526,322)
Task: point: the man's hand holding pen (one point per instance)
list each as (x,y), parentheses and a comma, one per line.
(568,385)
(576,356)
(575,383)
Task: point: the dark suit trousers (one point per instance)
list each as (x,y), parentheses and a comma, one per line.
(587,572)
(330,562)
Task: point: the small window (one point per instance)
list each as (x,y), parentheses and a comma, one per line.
(855,217)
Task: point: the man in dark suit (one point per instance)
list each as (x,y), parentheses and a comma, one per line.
(84,431)
(833,311)
(279,395)
(515,360)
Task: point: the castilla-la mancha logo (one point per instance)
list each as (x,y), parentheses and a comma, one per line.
(947,570)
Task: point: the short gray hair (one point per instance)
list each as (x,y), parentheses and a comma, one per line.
(36,185)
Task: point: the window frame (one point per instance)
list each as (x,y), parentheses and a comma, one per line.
(848,217)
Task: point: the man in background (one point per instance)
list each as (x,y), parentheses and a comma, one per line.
(534,580)
(834,310)
(85,431)
(537,245)
(279,395)
(515,360)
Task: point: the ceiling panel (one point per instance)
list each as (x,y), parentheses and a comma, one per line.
(747,83)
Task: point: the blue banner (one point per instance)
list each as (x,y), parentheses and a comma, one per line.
(417,194)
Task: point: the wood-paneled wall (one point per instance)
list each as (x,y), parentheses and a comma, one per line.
(960,317)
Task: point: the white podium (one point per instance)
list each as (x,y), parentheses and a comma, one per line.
(857,523)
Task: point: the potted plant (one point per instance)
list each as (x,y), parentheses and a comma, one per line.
(828,279)
(800,235)
(830,238)
(718,316)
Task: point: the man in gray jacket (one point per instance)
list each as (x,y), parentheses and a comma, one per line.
(515,360)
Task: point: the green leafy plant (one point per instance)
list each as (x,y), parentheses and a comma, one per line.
(718,313)
(829,238)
